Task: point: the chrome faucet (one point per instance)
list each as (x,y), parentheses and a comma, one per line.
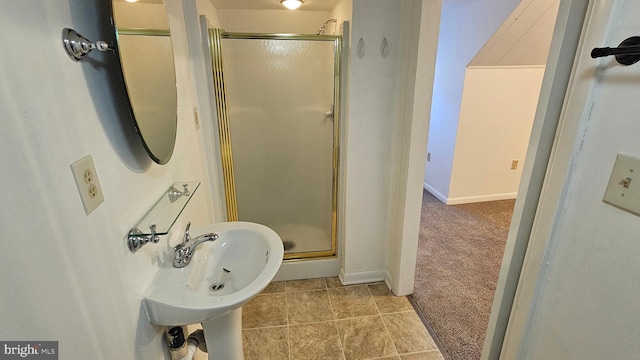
(184,251)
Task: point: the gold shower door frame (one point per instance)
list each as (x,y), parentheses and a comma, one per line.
(215,48)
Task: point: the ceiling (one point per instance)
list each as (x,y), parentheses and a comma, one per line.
(309,5)
(524,38)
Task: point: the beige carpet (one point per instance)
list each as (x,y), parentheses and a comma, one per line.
(459,255)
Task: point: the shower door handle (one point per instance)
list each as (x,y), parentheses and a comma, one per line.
(329,114)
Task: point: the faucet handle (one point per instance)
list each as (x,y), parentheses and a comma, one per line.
(187,237)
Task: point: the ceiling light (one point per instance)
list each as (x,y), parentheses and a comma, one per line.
(132,1)
(291,4)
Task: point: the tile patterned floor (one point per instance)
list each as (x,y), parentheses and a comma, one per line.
(321,319)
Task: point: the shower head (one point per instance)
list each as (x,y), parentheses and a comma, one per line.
(323,28)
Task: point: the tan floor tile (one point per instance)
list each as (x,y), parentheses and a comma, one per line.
(352,301)
(274,287)
(333,282)
(364,338)
(431,355)
(317,341)
(408,333)
(265,344)
(305,285)
(308,307)
(265,310)
(386,301)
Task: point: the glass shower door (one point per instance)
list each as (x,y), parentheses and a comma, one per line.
(280,96)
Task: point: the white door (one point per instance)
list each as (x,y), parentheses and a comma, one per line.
(579,290)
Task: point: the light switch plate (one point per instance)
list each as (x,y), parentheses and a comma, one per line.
(623,189)
(84,172)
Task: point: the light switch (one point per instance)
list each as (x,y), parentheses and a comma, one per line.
(623,190)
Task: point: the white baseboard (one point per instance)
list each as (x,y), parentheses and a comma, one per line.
(362,277)
(387,280)
(482,198)
(468,199)
(435,192)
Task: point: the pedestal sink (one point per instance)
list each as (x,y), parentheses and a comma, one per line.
(240,263)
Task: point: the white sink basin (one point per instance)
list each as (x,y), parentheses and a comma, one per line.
(252,254)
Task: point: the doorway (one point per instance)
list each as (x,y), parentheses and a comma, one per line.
(478,231)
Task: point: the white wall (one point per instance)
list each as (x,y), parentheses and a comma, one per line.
(375,121)
(368,155)
(465,28)
(582,256)
(341,12)
(272,21)
(67,276)
(420,26)
(140,15)
(496,115)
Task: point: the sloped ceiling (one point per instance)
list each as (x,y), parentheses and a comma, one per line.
(524,38)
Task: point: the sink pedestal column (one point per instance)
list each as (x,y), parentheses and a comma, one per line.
(224,336)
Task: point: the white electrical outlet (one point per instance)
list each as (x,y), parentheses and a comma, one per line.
(84,172)
(623,189)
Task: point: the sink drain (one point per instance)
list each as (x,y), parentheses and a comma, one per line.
(216,287)
(219,285)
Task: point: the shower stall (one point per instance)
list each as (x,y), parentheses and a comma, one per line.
(278,103)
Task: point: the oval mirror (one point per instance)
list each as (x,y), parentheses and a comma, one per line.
(146,59)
